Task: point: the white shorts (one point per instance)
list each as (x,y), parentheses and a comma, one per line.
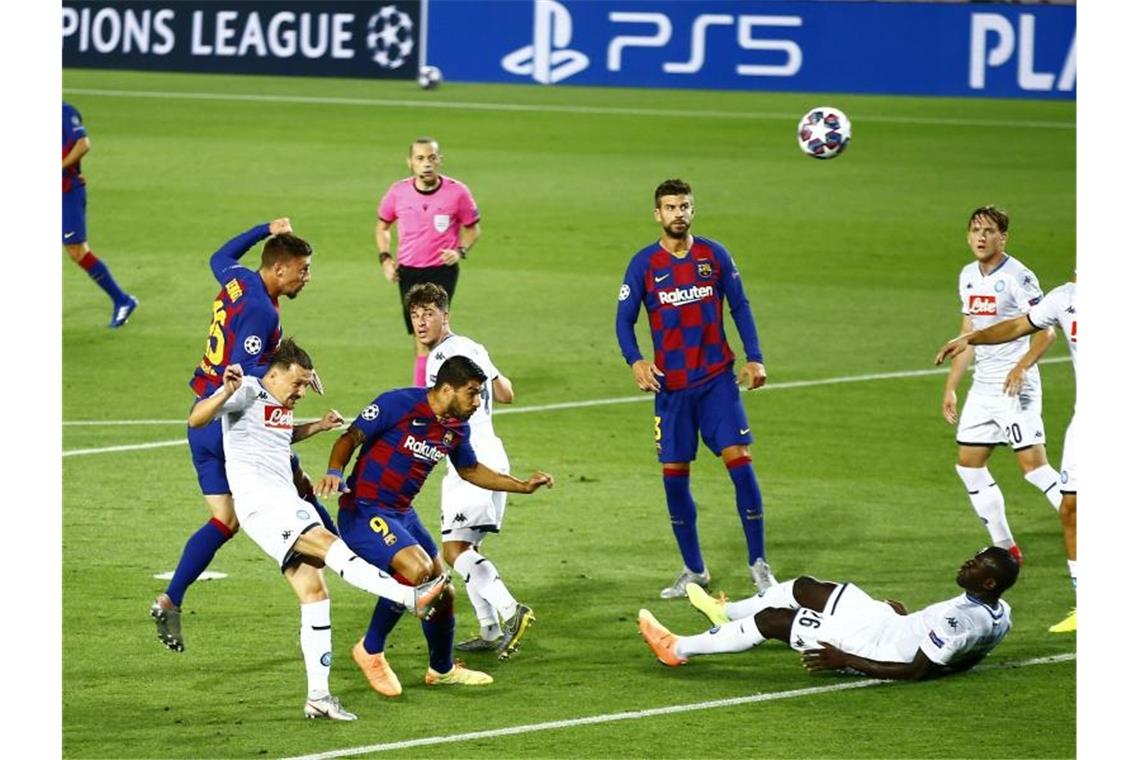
(1069,458)
(468,512)
(859,625)
(275,517)
(991,418)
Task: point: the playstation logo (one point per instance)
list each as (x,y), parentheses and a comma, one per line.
(549,60)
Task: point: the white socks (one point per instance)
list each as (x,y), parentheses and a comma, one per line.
(483,580)
(988,503)
(1046,479)
(370,578)
(734,636)
(779,595)
(1073,572)
(316,646)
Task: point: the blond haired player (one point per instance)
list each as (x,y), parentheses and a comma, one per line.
(1058,308)
(1003,406)
(468,512)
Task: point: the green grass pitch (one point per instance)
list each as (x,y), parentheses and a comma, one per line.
(851,267)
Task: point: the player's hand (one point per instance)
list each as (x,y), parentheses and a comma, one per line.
(896,605)
(231,378)
(538,480)
(827,658)
(329,485)
(951,349)
(950,407)
(1014,380)
(331,420)
(752,376)
(645,375)
(280,226)
(391,269)
(450,256)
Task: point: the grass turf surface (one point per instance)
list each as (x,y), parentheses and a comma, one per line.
(851,267)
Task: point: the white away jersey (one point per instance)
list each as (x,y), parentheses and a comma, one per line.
(961,628)
(1059,307)
(256,432)
(1008,291)
(457,345)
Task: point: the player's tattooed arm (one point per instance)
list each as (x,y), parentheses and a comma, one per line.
(483,476)
(330,421)
(830,658)
(340,455)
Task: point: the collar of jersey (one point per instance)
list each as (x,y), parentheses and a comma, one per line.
(995,613)
(995,269)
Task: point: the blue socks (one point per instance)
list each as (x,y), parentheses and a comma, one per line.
(384,619)
(440,635)
(99,272)
(749,504)
(683,515)
(196,557)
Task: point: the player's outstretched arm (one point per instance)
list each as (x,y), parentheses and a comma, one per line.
(483,476)
(205,410)
(339,456)
(830,658)
(1038,345)
(330,421)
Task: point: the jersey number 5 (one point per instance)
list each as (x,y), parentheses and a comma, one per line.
(216,339)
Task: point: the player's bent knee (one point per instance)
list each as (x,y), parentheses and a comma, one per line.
(414,565)
(452,550)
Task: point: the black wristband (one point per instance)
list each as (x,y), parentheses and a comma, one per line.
(384,255)
(462,251)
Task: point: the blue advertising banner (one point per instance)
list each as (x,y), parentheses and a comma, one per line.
(900,48)
(346,38)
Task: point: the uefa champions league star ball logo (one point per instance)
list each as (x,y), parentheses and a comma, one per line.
(390,37)
(371,413)
(252,345)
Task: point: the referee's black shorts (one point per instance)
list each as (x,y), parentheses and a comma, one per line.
(445,276)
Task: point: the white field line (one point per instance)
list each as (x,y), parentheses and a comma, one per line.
(650,713)
(523,409)
(552,108)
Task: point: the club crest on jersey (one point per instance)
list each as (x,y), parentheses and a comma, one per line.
(704,269)
(278,417)
(983,306)
(448,437)
(684,296)
(252,345)
(999,286)
(441,222)
(423,450)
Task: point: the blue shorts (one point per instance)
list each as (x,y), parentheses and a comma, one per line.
(75,215)
(209,458)
(713,408)
(377,534)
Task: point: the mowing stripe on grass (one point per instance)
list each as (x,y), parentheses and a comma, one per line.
(650,713)
(527,409)
(554,108)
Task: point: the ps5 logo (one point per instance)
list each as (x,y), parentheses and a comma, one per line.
(549,60)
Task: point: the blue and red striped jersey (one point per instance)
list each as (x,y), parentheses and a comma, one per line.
(404,440)
(73,131)
(684,298)
(246,324)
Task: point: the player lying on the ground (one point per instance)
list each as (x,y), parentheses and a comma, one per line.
(838,626)
(257,430)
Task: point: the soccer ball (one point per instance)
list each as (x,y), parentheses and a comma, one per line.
(429,77)
(824,132)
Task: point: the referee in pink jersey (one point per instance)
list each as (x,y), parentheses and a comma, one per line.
(439,223)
